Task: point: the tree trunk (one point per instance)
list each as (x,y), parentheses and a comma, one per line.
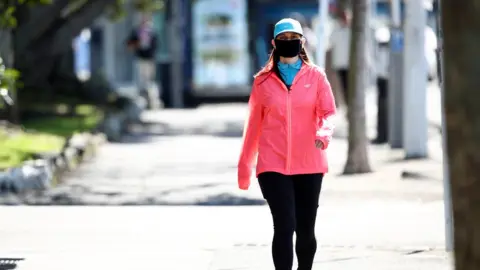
(35,21)
(357,161)
(461,25)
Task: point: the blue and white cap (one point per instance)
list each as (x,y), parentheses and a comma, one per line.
(287,25)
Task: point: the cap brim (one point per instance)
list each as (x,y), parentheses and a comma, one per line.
(288,30)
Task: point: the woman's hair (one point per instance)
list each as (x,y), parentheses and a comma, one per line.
(274,58)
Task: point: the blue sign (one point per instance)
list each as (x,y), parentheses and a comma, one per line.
(397,41)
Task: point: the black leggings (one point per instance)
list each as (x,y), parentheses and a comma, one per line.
(293,202)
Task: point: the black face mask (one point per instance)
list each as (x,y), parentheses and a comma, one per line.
(288,48)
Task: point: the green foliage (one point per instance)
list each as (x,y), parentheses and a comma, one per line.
(117,11)
(85,118)
(7,75)
(49,135)
(7,78)
(149,5)
(16,147)
(8,7)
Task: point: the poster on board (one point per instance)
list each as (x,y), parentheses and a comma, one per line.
(220,44)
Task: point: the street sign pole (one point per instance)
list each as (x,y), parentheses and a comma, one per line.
(415,124)
(322,37)
(395,80)
(177,38)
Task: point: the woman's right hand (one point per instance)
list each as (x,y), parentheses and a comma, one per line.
(244,185)
(243,181)
(318,144)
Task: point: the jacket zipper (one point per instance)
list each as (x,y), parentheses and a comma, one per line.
(289,121)
(289,131)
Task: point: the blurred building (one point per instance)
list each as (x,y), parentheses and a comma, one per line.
(219,44)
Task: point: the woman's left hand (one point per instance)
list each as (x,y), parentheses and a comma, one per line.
(318,144)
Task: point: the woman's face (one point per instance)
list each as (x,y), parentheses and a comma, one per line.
(289,36)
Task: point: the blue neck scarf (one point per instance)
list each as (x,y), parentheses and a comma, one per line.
(289,71)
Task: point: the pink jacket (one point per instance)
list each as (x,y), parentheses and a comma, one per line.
(283,125)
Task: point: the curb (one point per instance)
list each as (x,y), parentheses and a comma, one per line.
(46,171)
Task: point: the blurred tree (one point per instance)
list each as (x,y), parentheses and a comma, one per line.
(43,32)
(358,161)
(461,25)
(8,75)
(9,7)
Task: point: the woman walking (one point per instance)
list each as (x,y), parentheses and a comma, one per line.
(289,128)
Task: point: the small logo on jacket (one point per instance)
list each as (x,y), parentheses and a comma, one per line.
(307,85)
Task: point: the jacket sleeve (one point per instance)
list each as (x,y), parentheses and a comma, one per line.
(251,137)
(325,111)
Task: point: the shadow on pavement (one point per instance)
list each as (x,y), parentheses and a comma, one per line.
(193,195)
(143,132)
(140,133)
(134,138)
(223,199)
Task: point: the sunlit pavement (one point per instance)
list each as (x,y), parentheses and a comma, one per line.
(351,235)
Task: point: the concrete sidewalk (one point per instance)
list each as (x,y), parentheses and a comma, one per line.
(383,236)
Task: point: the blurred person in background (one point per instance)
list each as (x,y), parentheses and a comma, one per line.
(340,47)
(143,42)
(382,59)
(311,41)
(430,52)
(289,127)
